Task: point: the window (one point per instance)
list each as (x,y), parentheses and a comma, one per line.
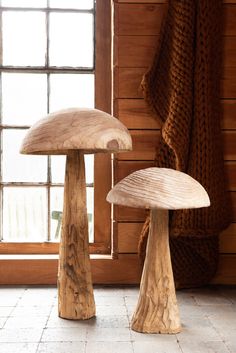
(48,63)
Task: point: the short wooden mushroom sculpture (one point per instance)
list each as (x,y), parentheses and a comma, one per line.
(160,190)
(74,132)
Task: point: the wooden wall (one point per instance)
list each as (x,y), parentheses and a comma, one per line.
(137,26)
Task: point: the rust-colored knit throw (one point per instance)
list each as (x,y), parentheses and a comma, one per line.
(183,89)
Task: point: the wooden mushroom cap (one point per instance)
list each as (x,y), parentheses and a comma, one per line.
(89,130)
(160,188)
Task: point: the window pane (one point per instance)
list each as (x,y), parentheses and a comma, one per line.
(89,166)
(58,165)
(72,4)
(24,98)
(56,202)
(24,3)
(71,39)
(24,214)
(90,204)
(71,90)
(57,208)
(18,167)
(24,38)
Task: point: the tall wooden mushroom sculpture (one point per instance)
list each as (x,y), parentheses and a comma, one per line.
(74,132)
(160,190)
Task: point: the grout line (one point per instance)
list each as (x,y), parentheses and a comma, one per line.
(219,334)
(45,327)
(178,344)
(14,307)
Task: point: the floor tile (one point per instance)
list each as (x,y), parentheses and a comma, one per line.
(31,311)
(2,321)
(62,347)
(110,321)
(111,300)
(56,322)
(19,347)
(211,297)
(131,291)
(198,333)
(186,298)
(5,311)
(26,322)
(108,334)
(20,335)
(131,300)
(64,334)
(156,347)
(188,346)
(152,337)
(8,300)
(109,347)
(111,310)
(108,291)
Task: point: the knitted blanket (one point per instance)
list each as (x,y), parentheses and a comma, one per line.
(183,89)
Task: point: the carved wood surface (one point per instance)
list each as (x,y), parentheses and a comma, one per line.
(76,300)
(157,309)
(90,130)
(161,188)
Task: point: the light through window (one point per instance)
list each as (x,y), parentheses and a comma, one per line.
(47,64)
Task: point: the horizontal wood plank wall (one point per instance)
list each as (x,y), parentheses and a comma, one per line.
(137,27)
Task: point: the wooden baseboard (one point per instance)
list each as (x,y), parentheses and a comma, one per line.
(105,270)
(43,270)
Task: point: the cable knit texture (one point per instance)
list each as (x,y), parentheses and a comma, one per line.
(182,88)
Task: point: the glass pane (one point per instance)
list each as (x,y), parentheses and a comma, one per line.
(72,4)
(56,204)
(57,208)
(24,98)
(71,90)
(58,165)
(24,3)
(89,168)
(18,167)
(71,39)
(24,38)
(90,211)
(24,214)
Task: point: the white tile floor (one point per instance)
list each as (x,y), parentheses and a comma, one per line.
(29,323)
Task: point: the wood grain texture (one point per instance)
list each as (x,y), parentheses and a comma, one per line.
(138,51)
(131,214)
(161,188)
(144,146)
(145,19)
(129,233)
(127,81)
(138,19)
(228,240)
(103,93)
(146,142)
(104,270)
(135,114)
(89,130)
(160,1)
(157,310)
(124,168)
(75,291)
(229,114)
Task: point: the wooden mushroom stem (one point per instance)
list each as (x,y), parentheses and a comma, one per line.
(76,300)
(157,309)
